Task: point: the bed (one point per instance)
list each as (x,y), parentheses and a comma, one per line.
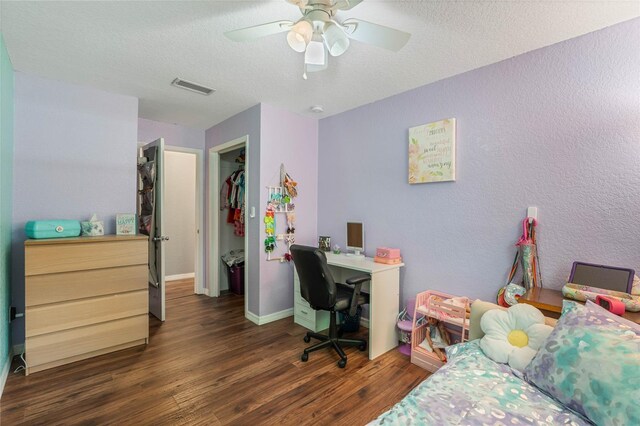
(562,387)
(471,389)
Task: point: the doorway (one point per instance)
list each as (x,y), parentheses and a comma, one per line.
(224,235)
(150,202)
(183,218)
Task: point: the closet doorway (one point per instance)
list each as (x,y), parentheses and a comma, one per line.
(183,217)
(228,219)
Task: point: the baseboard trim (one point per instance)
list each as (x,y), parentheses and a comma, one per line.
(18,349)
(5,371)
(252,317)
(364,322)
(180,276)
(261,320)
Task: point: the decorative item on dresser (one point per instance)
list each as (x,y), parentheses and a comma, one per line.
(84,297)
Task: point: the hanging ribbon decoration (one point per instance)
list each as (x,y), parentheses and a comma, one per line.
(526,257)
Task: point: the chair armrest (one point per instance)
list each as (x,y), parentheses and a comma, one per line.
(359,279)
(356,282)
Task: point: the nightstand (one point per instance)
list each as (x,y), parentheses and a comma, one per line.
(550,303)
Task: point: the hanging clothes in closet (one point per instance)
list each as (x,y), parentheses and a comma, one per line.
(232,198)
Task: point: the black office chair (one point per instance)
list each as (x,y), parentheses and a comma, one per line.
(319,289)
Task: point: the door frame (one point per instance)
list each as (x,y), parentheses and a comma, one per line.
(214,212)
(198,282)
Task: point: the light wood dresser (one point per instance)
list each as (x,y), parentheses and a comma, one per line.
(84,297)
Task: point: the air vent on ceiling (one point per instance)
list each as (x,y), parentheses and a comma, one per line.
(192,86)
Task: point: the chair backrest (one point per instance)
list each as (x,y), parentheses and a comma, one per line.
(316,282)
(411,307)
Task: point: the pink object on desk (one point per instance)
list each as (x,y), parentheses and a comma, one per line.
(389,253)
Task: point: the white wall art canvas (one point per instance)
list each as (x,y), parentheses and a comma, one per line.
(432,152)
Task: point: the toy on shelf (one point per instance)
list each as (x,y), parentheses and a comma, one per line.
(447,322)
(436,338)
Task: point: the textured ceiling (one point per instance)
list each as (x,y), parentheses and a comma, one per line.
(138,47)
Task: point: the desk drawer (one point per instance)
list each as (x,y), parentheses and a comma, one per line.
(305,323)
(63,316)
(304,311)
(298,299)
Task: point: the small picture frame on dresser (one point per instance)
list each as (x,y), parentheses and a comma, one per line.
(125,224)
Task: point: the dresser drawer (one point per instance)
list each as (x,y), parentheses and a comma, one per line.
(63,316)
(70,343)
(54,258)
(53,288)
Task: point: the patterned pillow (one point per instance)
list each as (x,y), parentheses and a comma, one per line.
(591,363)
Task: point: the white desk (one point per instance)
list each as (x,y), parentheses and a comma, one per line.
(384,297)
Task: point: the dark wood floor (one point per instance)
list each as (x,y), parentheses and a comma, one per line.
(208,365)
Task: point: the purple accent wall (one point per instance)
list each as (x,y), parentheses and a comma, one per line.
(557,128)
(275,136)
(293,140)
(242,124)
(173,134)
(75,154)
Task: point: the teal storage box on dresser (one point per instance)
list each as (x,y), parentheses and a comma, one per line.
(39,229)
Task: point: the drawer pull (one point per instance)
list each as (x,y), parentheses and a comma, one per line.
(304,312)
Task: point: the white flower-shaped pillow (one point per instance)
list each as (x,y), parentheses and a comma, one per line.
(514,335)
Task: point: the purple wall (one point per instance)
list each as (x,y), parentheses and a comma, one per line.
(75,154)
(244,123)
(275,136)
(293,140)
(557,128)
(173,134)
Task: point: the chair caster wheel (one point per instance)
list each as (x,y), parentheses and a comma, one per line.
(304,357)
(307,339)
(342,363)
(362,347)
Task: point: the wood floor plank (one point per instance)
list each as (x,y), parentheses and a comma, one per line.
(207,364)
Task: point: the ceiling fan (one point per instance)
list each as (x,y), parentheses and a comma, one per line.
(318,33)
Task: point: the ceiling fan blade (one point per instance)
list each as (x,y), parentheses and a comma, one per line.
(378,35)
(345,4)
(257,31)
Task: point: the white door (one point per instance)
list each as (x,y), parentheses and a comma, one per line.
(150,221)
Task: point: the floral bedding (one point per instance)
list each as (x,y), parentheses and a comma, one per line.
(471,389)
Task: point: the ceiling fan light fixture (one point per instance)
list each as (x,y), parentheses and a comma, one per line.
(315,54)
(335,38)
(300,35)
